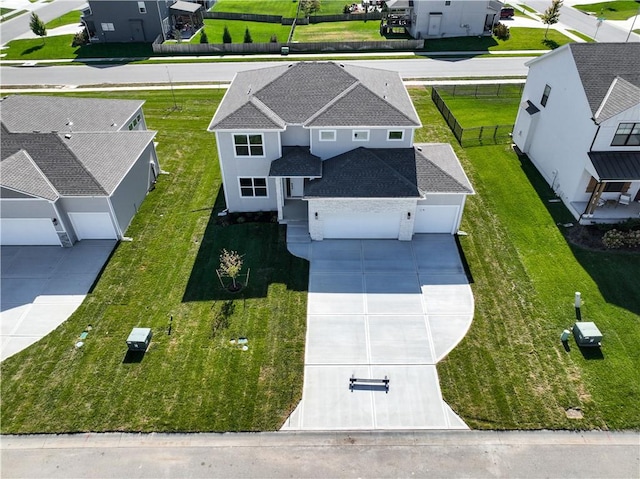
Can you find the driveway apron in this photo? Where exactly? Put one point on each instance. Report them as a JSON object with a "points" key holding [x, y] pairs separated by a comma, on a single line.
{"points": [[381, 308]]}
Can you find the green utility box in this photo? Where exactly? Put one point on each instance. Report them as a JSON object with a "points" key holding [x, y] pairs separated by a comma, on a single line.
{"points": [[587, 334], [139, 339]]}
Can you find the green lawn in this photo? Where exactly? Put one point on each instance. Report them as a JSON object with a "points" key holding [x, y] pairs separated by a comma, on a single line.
{"points": [[338, 31], [13, 15], [4, 11], [194, 379], [484, 110], [68, 18], [511, 371], [260, 32], [285, 8], [586, 38], [60, 47], [521, 39], [613, 10]]}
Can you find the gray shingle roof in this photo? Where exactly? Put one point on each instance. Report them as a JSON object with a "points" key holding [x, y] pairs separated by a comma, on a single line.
{"points": [[296, 161], [391, 173], [616, 165], [315, 93], [108, 157], [20, 173], [249, 116], [181, 6], [26, 114], [599, 63], [621, 96]]}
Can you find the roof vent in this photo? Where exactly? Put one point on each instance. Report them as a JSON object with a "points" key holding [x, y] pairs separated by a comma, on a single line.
{"points": [[113, 123], [341, 64], [249, 90], [67, 136]]}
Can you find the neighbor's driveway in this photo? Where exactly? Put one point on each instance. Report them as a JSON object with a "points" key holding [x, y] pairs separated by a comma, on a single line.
{"points": [[381, 308], [41, 286]]}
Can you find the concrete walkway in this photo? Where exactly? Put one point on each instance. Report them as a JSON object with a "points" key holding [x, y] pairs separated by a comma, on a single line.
{"points": [[42, 286], [381, 308]]}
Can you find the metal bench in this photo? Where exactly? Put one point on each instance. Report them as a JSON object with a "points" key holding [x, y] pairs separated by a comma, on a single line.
{"points": [[382, 383]]}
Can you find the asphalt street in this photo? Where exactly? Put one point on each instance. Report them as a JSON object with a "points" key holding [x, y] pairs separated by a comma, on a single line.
{"points": [[223, 72], [440, 454]]}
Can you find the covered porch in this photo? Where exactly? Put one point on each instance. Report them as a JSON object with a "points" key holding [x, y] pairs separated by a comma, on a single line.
{"points": [[291, 171], [187, 18]]}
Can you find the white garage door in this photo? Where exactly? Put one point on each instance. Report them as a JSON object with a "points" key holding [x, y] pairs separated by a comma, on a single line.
{"points": [[27, 231], [93, 226], [362, 225], [436, 219]]}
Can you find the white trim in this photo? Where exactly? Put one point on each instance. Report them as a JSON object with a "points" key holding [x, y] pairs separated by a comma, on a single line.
{"points": [[395, 131], [220, 162], [354, 134], [235, 153], [333, 133], [253, 187]]}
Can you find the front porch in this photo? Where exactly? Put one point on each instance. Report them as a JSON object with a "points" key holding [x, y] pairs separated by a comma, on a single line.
{"points": [[610, 212]]}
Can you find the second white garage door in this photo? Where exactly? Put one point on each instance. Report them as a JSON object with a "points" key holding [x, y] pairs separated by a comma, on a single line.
{"points": [[362, 225], [436, 219], [93, 226], [28, 231]]}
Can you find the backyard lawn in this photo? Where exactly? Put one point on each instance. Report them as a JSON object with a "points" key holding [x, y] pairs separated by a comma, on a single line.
{"points": [[193, 379], [484, 110], [260, 32], [285, 8], [510, 371], [60, 47], [339, 31], [521, 39]]}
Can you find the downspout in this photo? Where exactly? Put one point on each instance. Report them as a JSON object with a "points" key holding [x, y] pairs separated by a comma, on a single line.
{"points": [[164, 38]]}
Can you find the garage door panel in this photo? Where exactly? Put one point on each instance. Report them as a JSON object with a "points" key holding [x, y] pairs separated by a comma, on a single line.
{"points": [[93, 225], [28, 231], [362, 225], [436, 219]]}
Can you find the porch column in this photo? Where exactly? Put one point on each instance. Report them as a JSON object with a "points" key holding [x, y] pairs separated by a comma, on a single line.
{"points": [[279, 197], [595, 197]]}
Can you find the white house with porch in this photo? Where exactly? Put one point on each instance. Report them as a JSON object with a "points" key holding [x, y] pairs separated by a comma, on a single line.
{"points": [[579, 123], [331, 146]]}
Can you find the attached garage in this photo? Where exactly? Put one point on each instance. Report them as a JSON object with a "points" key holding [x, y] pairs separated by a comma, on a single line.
{"points": [[28, 231], [93, 226], [362, 225], [436, 219]]}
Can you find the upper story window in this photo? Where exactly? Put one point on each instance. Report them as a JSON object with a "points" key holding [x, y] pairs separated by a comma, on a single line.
{"points": [[248, 145], [545, 95], [395, 135], [627, 134], [327, 135], [141, 7], [447, 3], [107, 27], [360, 135]]}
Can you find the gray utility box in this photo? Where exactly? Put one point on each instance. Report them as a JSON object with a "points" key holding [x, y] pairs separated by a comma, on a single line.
{"points": [[587, 334], [139, 339]]}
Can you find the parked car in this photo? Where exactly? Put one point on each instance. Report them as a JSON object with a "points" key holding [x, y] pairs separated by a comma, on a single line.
{"points": [[507, 12]]}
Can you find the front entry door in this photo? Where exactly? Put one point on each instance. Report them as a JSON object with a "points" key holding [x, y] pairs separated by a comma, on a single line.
{"points": [[295, 187]]}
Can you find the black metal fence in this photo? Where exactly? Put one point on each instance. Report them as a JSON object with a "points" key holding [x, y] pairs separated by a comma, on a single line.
{"points": [[481, 135]]}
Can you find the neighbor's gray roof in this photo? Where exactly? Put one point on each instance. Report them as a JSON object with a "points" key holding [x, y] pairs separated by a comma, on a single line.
{"points": [[26, 114], [20, 173], [296, 161], [621, 96], [598, 64], [314, 94], [391, 173], [181, 6], [107, 156], [616, 165]]}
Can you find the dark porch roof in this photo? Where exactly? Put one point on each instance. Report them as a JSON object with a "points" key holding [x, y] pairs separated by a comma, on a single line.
{"points": [[296, 161], [616, 165], [189, 7]]}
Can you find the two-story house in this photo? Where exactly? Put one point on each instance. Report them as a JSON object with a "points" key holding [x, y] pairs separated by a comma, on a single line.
{"points": [[72, 168], [444, 18], [579, 123], [333, 144]]}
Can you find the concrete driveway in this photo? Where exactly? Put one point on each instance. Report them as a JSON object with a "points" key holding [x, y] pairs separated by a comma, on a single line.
{"points": [[381, 308], [42, 286]]}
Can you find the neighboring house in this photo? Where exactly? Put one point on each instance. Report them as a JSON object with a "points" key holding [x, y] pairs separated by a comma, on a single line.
{"points": [[72, 168], [333, 144], [118, 21], [579, 123], [442, 19]]}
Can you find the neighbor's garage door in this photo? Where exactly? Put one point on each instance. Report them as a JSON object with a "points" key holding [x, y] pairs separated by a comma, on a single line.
{"points": [[436, 219], [28, 231], [93, 226], [362, 225]]}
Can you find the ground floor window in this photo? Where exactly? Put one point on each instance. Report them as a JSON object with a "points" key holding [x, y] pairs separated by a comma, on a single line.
{"points": [[253, 187]]}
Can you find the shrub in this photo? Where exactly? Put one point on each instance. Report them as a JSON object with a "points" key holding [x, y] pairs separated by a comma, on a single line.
{"points": [[80, 38], [274, 38], [615, 239], [346, 10], [501, 31], [247, 36], [226, 36], [203, 37]]}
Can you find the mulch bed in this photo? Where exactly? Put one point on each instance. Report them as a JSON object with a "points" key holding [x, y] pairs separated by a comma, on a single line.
{"points": [[590, 237]]}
